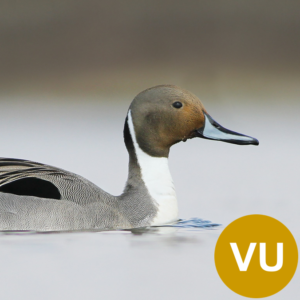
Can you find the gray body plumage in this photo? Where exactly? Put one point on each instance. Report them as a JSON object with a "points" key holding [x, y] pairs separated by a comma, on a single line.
{"points": [[83, 205]]}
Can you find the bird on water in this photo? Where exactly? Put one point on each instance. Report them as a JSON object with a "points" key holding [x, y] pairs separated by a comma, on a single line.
{"points": [[35, 196]]}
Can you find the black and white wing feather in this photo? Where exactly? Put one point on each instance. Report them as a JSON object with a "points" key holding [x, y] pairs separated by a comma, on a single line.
{"points": [[27, 178]]}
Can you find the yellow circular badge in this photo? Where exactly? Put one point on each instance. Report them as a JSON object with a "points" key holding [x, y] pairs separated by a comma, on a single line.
{"points": [[256, 256]]}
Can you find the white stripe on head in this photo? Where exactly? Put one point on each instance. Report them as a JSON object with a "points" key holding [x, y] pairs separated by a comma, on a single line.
{"points": [[158, 181]]}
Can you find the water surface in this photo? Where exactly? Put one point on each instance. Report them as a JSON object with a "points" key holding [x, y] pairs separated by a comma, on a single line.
{"points": [[214, 181]]}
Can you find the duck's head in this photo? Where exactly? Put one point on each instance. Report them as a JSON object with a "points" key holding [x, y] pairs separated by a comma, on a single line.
{"points": [[165, 115]]}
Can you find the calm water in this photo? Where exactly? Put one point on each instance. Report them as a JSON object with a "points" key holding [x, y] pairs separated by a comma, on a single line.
{"points": [[214, 181]]}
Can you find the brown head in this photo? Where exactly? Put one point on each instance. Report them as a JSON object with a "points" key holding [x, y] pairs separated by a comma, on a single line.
{"points": [[165, 115]]}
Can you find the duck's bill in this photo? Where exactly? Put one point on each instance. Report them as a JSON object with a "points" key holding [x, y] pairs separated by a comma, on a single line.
{"points": [[214, 131]]}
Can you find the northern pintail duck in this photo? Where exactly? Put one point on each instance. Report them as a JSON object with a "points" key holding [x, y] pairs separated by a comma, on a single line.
{"points": [[34, 196]]}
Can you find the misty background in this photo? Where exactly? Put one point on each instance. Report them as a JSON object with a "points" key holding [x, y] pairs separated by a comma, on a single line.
{"points": [[68, 72], [117, 47]]}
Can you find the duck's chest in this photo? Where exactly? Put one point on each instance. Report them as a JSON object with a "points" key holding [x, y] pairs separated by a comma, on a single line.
{"points": [[158, 181]]}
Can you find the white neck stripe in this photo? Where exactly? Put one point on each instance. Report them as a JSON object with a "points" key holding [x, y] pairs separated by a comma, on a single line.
{"points": [[158, 181]]}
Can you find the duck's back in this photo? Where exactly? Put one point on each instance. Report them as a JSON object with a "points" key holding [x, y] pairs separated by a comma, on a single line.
{"points": [[41, 197]]}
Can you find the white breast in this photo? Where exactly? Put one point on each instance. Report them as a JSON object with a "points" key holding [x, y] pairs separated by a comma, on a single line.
{"points": [[157, 178]]}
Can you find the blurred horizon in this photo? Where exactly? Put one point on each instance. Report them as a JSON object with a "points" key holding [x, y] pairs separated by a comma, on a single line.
{"points": [[115, 47], [68, 72]]}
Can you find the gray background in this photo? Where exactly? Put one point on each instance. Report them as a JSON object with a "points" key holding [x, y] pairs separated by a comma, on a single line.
{"points": [[68, 71]]}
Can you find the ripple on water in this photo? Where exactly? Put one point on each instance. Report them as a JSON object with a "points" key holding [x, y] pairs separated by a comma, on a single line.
{"points": [[193, 223]]}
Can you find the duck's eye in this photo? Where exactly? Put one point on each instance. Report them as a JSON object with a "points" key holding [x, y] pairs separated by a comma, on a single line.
{"points": [[177, 104]]}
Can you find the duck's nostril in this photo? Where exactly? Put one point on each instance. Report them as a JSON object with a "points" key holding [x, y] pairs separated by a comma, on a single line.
{"points": [[216, 125]]}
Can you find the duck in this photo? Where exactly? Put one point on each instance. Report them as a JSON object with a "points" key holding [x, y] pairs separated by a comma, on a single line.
{"points": [[39, 197]]}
